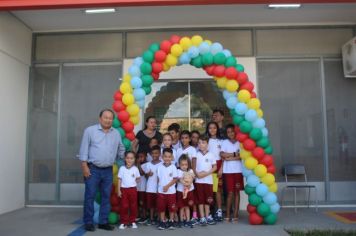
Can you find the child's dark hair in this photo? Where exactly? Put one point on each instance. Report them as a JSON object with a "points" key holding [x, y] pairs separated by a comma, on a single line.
{"points": [[217, 110], [154, 138], [217, 129], [174, 126], [204, 137], [128, 152], [167, 150], [195, 132], [184, 157], [230, 126], [167, 134], [185, 132], [138, 159], [155, 147]]}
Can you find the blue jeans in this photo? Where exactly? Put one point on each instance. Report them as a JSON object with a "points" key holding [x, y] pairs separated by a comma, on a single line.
{"points": [[102, 178]]}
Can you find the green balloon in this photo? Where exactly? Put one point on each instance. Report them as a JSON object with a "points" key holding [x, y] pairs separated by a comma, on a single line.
{"points": [[127, 144], [148, 56], [197, 62], [263, 142], [147, 89], [147, 80], [116, 123], [245, 127], [146, 68], [269, 150], [240, 68], [263, 209], [255, 134], [207, 59], [230, 61], [270, 219], [113, 218], [219, 58], [154, 47], [121, 131], [237, 119], [249, 190], [254, 199], [232, 112], [98, 197]]}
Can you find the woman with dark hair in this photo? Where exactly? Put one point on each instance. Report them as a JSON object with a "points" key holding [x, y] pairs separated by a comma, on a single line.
{"points": [[143, 137]]}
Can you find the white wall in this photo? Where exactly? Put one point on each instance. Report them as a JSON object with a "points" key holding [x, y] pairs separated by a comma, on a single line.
{"points": [[15, 60]]}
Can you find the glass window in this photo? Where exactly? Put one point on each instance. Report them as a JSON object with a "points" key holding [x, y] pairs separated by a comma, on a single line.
{"points": [[291, 99]]}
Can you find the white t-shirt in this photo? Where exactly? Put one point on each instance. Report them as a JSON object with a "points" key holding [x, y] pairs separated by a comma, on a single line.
{"points": [[174, 155], [176, 146], [234, 166], [149, 157], [128, 176], [180, 186], [205, 163], [215, 147], [190, 151], [165, 175], [141, 185], [151, 185]]}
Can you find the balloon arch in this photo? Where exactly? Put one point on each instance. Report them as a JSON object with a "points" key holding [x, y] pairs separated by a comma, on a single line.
{"points": [[256, 150]]}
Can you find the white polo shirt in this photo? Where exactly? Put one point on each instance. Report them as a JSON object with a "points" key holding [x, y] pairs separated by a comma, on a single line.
{"points": [[180, 186], [175, 158], [176, 146], [151, 184], [141, 185], [128, 176], [205, 163], [234, 166], [165, 175], [215, 147], [190, 151]]}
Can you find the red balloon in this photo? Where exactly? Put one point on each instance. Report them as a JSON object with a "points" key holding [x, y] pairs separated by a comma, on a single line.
{"points": [[130, 136], [128, 126], [236, 129], [114, 200], [251, 209], [231, 73], [123, 116], [166, 46], [258, 152], [209, 69], [155, 76], [249, 144], [248, 86], [241, 137], [271, 169], [242, 77], [253, 95], [267, 160], [255, 219], [117, 96], [219, 71], [175, 39], [118, 106], [157, 67], [115, 209], [160, 56]]}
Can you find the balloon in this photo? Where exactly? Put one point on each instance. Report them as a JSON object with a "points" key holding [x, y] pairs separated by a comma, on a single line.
{"points": [[197, 40], [209, 70], [115, 169], [245, 154], [264, 132], [251, 209], [231, 102], [271, 169], [193, 52], [273, 188], [116, 123], [147, 89], [248, 86], [219, 71], [269, 149], [254, 199], [174, 39], [113, 218], [261, 190], [117, 96], [260, 170], [253, 94], [226, 52], [251, 115], [166, 46], [275, 208], [241, 136], [246, 172], [171, 60], [148, 56], [259, 123], [263, 209], [270, 219], [154, 47], [254, 103], [253, 180], [123, 116], [197, 62], [121, 131], [160, 56], [270, 198], [258, 153], [155, 76], [240, 68], [125, 88], [249, 190], [184, 58], [146, 68], [240, 108], [244, 96], [130, 136], [268, 179], [157, 67], [249, 144], [221, 82], [147, 80], [138, 61], [133, 109], [255, 134], [259, 113], [176, 50], [139, 94], [118, 106], [227, 94], [250, 163], [231, 73], [136, 82], [127, 77], [215, 48], [204, 47], [185, 43], [128, 126], [255, 219], [134, 70], [245, 127], [237, 119], [242, 78], [128, 99], [135, 119], [267, 160], [114, 200], [141, 104], [230, 61], [127, 144], [207, 59], [219, 58]]}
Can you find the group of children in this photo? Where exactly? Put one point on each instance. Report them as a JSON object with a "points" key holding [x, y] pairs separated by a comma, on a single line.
{"points": [[174, 184]]}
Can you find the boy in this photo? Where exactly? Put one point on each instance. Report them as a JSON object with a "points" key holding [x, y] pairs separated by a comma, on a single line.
{"points": [[205, 165], [173, 130], [141, 187], [152, 143], [166, 197]]}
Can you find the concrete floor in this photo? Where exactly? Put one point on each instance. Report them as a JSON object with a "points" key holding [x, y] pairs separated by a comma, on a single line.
{"points": [[65, 221]]}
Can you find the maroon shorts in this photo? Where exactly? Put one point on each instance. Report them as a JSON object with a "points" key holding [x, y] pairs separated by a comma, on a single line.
{"points": [[204, 193], [188, 202], [142, 202], [218, 165], [166, 201], [233, 182], [151, 200]]}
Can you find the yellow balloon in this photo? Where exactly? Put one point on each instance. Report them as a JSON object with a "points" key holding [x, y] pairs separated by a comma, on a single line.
{"points": [[208, 41], [185, 43], [166, 67], [232, 85], [244, 96], [245, 154], [128, 99], [254, 103], [197, 40], [125, 87], [273, 188], [135, 119], [260, 170], [216, 78], [259, 113], [268, 179], [127, 78], [115, 169], [176, 50], [251, 163], [171, 60], [221, 82], [133, 109], [115, 180]]}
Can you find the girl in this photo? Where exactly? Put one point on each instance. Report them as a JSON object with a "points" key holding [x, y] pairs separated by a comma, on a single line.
{"points": [[153, 142], [212, 130], [167, 143], [129, 176], [141, 187], [195, 139], [185, 190]]}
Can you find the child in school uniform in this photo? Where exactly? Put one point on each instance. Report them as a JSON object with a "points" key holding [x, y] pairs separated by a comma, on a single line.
{"points": [[150, 169], [232, 172], [141, 187], [194, 139], [152, 143], [166, 197], [128, 177], [167, 142], [205, 165], [174, 131]]}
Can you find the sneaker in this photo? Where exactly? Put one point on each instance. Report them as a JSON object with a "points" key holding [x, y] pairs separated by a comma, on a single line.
{"points": [[218, 215], [134, 225], [161, 225], [148, 221], [154, 222], [142, 221], [171, 225], [194, 221], [89, 227], [106, 227], [203, 221], [190, 224], [210, 221], [180, 224], [122, 226]]}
